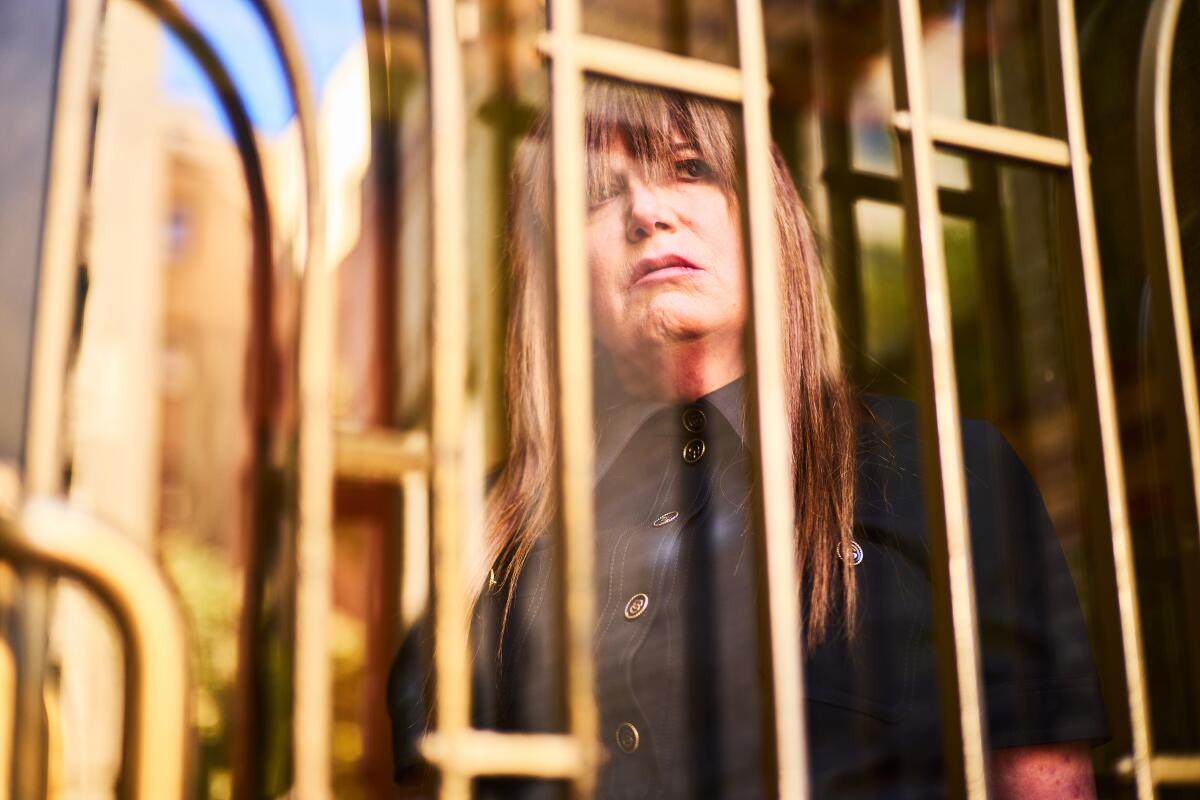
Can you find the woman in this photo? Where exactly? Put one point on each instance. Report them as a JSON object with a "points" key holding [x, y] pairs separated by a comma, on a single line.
{"points": [[677, 653]]}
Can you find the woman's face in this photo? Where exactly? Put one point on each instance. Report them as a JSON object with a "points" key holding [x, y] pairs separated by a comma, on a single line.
{"points": [[666, 259]]}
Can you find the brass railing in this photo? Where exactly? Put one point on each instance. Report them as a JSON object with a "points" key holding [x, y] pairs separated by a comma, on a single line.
{"points": [[920, 132], [462, 753], [1164, 266], [50, 538], [69, 542], [55, 539]]}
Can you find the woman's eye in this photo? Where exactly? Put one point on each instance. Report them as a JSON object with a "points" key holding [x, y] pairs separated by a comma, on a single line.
{"points": [[693, 169], [603, 192]]}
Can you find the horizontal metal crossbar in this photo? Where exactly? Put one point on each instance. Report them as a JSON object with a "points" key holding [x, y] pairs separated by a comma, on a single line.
{"points": [[533, 755], [380, 455], [631, 62], [884, 189], [994, 140], [1169, 769]]}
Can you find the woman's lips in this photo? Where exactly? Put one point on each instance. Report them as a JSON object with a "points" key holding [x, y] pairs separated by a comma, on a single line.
{"points": [[662, 268]]}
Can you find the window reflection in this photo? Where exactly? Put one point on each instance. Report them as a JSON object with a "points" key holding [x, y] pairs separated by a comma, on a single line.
{"points": [[183, 405]]}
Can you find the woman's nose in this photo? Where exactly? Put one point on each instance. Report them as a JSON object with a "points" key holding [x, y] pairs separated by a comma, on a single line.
{"points": [[648, 213]]}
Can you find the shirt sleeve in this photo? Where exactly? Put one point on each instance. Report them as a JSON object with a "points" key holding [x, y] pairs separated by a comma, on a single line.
{"points": [[409, 690], [1040, 679]]}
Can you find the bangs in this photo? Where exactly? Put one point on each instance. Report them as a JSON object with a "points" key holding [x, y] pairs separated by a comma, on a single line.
{"points": [[650, 123]]}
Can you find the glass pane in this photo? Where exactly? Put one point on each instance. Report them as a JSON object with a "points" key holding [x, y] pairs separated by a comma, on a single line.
{"points": [[698, 28], [183, 398], [1162, 508], [853, 69]]}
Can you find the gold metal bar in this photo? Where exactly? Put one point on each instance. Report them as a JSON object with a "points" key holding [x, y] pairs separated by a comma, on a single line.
{"points": [[70, 149], [414, 582], [60, 245], [10, 490], [993, 140], [33, 622], [380, 455], [1160, 213], [247, 723], [573, 335], [776, 496], [61, 538], [1175, 768], [1105, 409], [963, 713], [855, 186], [313, 703], [8, 686], [450, 351], [55, 773], [476, 752], [631, 62]]}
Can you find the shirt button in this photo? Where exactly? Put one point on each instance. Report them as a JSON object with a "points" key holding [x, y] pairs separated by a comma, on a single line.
{"points": [[628, 737], [693, 420], [666, 519], [637, 605], [693, 451]]}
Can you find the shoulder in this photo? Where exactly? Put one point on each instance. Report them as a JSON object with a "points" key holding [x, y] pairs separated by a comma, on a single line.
{"points": [[889, 434], [890, 465]]}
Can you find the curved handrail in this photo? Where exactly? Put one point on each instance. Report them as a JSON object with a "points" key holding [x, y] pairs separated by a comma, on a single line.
{"points": [[260, 370], [55, 314], [58, 313], [65, 540], [313, 702], [1160, 214]]}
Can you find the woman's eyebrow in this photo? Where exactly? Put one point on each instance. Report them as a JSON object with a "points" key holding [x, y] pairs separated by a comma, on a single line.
{"points": [[680, 147]]}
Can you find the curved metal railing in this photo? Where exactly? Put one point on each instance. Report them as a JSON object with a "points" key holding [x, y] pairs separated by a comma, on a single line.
{"points": [[49, 535], [1164, 265], [52, 536], [67, 541]]}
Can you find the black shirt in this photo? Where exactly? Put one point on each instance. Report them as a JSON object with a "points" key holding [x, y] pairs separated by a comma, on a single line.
{"points": [[678, 672]]}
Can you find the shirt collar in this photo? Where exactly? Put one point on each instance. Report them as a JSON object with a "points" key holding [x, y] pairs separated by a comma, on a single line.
{"points": [[619, 416]]}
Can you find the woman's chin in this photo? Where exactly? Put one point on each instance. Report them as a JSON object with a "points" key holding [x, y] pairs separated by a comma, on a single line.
{"points": [[676, 316]]}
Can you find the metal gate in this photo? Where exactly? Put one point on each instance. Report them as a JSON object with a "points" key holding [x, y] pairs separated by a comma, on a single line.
{"points": [[46, 536]]}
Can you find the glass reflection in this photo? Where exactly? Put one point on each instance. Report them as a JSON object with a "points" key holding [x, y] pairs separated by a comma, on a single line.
{"points": [[679, 667], [180, 425]]}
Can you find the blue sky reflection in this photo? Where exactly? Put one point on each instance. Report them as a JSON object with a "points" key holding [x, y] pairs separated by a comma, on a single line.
{"points": [[327, 28]]}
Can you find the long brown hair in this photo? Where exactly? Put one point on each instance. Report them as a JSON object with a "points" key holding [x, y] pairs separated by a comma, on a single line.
{"points": [[521, 505]]}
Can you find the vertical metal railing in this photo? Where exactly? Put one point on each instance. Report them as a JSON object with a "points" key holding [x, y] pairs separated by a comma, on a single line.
{"points": [[49, 538], [52, 331], [313, 690], [64, 540], [55, 538], [1164, 266], [458, 751], [450, 359], [775, 494], [573, 335], [920, 132], [962, 700]]}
